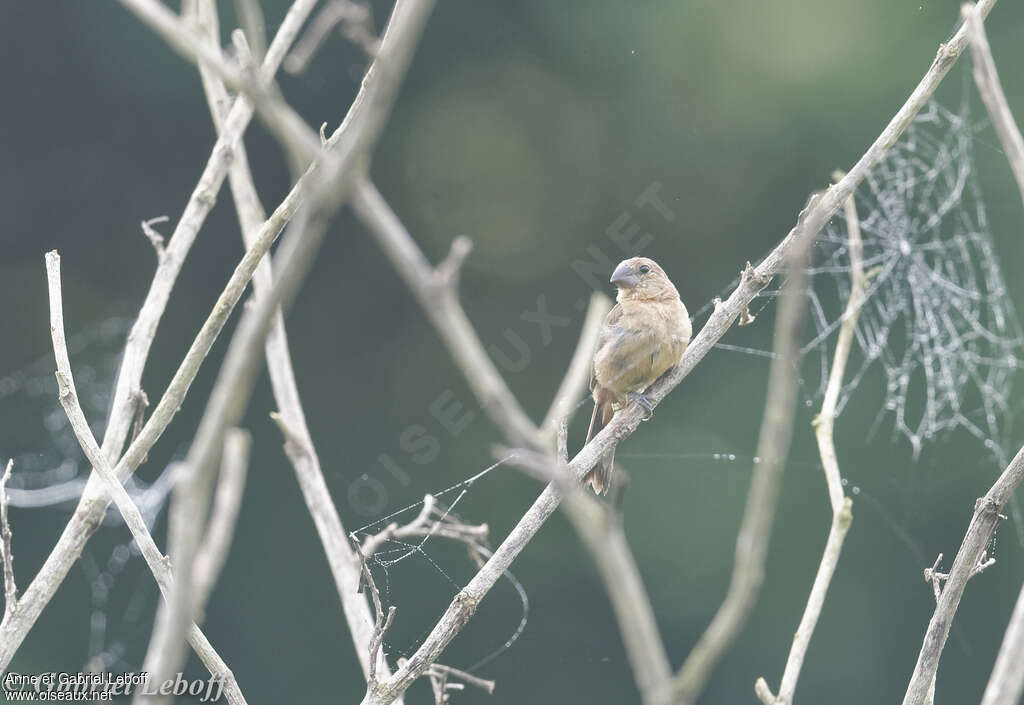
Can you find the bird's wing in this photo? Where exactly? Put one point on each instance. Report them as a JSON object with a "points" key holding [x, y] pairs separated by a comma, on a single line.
{"points": [[606, 333]]}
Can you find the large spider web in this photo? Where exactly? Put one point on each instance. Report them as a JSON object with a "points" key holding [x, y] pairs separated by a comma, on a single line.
{"points": [[937, 320]]}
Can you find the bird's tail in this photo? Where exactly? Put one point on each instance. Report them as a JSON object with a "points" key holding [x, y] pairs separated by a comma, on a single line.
{"points": [[600, 476]]}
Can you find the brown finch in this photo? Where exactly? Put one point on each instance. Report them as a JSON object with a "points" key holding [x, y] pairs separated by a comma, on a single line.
{"points": [[643, 336]]}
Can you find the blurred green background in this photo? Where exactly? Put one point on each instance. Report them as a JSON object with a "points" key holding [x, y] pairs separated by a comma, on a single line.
{"points": [[532, 127]]}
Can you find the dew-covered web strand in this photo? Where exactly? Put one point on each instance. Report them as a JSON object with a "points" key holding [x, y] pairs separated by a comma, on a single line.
{"points": [[937, 323], [937, 320]]}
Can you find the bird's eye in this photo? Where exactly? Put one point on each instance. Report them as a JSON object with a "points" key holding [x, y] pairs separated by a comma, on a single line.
{"points": [[644, 269]]}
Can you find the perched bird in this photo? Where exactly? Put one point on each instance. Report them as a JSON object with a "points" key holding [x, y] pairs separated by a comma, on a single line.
{"points": [[643, 336]]}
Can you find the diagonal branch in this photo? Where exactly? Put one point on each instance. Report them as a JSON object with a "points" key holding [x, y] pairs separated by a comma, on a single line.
{"points": [[987, 512], [1007, 681], [987, 79], [132, 516], [842, 507], [578, 375], [92, 506], [10, 587], [232, 391], [291, 417], [408, 260], [772, 449]]}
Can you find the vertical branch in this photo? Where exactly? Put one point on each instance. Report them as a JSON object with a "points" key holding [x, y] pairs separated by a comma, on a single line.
{"points": [[575, 379], [842, 514], [291, 417], [233, 389], [969, 558], [133, 518], [1007, 681], [772, 449], [92, 506], [987, 79], [10, 587]]}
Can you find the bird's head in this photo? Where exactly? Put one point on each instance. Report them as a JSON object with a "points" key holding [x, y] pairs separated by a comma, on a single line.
{"points": [[640, 278]]}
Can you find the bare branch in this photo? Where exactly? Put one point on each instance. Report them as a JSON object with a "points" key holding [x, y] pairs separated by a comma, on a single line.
{"points": [[772, 449], [10, 587], [250, 18], [842, 507], [576, 377], [92, 506], [298, 140], [1007, 680], [987, 79], [439, 300], [132, 516], [968, 562], [602, 534], [226, 501], [410, 264], [233, 389], [381, 623], [291, 418], [824, 423], [154, 237], [356, 22]]}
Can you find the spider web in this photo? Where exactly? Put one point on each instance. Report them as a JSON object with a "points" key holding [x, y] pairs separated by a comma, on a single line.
{"points": [[393, 551], [937, 320], [50, 473]]}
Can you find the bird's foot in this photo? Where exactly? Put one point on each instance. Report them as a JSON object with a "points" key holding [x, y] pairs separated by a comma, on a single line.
{"points": [[644, 401]]}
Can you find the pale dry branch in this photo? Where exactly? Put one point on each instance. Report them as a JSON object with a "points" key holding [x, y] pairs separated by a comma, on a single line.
{"points": [[408, 260], [970, 556], [287, 126], [291, 418], [987, 79], [601, 532], [759, 514], [1006, 683], [355, 20], [233, 388], [381, 623], [133, 518], [226, 502], [93, 503], [436, 293], [10, 587], [432, 520], [842, 507], [250, 20], [578, 375]]}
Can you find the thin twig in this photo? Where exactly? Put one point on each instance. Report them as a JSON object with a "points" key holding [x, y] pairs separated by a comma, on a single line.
{"points": [[772, 449], [987, 79], [10, 587], [969, 559], [842, 507], [381, 623], [133, 518], [1006, 683], [602, 533], [93, 503], [576, 377], [436, 293], [291, 418], [234, 385], [226, 501], [294, 135], [408, 259]]}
